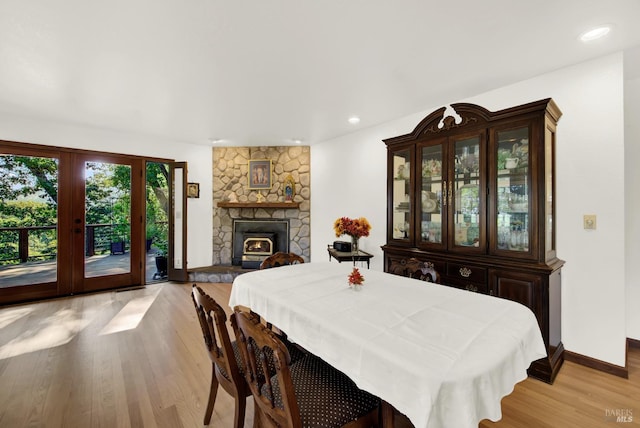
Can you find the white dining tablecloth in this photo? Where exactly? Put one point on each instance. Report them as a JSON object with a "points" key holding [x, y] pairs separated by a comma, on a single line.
{"points": [[444, 357]]}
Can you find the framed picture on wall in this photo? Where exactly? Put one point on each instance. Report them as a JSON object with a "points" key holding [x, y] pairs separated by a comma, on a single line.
{"points": [[193, 190], [259, 174]]}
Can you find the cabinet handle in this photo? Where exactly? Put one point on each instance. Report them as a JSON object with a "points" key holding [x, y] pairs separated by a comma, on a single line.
{"points": [[444, 193], [450, 191], [465, 272]]}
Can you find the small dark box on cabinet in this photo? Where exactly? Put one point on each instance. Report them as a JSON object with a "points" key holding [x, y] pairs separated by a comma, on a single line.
{"points": [[342, 246]]}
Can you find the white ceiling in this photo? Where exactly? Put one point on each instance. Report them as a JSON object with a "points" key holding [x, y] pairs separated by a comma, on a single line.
{"points": [[264, 72]]}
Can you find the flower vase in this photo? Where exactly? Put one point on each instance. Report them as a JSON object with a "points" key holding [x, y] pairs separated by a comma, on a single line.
{"points": [[356, 287], [354, 244]]}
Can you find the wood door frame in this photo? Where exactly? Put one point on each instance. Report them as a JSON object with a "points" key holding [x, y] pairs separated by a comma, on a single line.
{"points": [[177, 201], [63, 278], [80, 282], [66, 284]]}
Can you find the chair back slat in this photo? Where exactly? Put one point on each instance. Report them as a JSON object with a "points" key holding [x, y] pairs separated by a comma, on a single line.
{"points": [[266, 357], [213, 321], [281, 259]]}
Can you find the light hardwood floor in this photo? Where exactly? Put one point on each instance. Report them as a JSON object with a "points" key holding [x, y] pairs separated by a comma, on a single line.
{"points": [[63, 365]]}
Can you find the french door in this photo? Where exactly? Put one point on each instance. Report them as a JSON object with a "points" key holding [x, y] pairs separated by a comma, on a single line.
{"points": [[70, 221], [112, 185]]}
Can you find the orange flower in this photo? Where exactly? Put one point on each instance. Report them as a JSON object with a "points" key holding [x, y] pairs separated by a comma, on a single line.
{"points": [[356, 228], [355, 277]]}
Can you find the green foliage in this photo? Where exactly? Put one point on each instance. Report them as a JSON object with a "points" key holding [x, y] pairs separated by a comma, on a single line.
{"points": [[42, 243], [100, 194], [27, 213], [29, 194], [29, 176], [157, 206], [162, 246]]}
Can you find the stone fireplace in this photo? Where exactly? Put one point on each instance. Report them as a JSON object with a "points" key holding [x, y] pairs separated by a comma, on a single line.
{"points": [[230, 183]]}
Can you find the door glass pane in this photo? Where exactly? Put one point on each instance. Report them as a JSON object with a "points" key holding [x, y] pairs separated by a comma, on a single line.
{"points": [[178, 217], [28, 220], [466, 214], [513, 190], [107, 219], [157, 221], [431, 195], [401, 191]]}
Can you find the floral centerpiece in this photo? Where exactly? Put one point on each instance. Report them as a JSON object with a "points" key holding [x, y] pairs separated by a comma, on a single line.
{"points": [[355, 279], [356, 228]]}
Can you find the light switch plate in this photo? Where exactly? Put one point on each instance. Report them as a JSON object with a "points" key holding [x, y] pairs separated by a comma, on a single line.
{"points": [[590, 221]]}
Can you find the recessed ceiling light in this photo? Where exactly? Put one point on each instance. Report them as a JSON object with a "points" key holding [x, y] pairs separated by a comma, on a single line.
{"points": [[296, 141], [354, 120], [595, 33], [215, 140]]}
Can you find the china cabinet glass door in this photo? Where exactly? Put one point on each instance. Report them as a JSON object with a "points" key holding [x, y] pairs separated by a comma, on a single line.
{"points": [[513, 219], [432, 195], [401, 195], [466, 198]]}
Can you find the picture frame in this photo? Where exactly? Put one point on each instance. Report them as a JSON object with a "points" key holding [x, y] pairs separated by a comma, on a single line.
{"points": [[193, 190], [260, 174], [289, 188]]}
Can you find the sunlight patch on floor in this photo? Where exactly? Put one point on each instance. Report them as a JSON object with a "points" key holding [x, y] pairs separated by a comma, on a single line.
{"points": [[12, 315], [130, 316], [55, 330]]}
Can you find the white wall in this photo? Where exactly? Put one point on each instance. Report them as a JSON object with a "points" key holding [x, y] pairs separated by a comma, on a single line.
{"points": [[632, 193], [349, 178], [199, 251]]}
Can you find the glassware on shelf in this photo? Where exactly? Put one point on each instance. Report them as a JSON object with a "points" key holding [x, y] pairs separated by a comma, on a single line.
{"points": [[431, 231], [518, 203], [503, 237]]}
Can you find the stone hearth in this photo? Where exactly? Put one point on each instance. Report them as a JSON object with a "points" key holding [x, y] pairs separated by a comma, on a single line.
{"points": [[218, 273]]}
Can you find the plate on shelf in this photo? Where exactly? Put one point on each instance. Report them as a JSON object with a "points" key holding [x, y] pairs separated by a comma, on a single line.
{"points": [[429, 205], [429, 201]]}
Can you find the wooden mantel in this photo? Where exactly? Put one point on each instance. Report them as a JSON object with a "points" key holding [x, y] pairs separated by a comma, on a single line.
{"points": [[284, 205]]}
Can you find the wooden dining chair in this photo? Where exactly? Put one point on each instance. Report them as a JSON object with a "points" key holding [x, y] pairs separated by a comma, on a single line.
{"points": [[224, 354], [307, 393], [281, 259]]}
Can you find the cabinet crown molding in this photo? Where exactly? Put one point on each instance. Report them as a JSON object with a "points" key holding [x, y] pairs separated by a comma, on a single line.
{"points": [[471, 115]]}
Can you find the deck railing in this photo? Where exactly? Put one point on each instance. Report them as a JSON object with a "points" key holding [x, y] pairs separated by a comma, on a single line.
{"points": [[38, 243]]}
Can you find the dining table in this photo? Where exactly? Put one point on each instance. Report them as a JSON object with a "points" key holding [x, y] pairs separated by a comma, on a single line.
{"points": [[442, 356]]}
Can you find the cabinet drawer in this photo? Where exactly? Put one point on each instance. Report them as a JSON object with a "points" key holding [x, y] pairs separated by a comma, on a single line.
{"points": [[469, 273], [466, 285], [415, 268]]}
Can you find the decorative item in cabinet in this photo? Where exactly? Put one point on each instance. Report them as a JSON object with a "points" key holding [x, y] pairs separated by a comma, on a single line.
{"points": [[480, 193], [432, 191], [428, 271], [514, 189], [429, 202], [401, 198]]}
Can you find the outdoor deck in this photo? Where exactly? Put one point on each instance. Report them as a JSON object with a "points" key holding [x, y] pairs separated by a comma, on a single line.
{"points": [[41, 272]]}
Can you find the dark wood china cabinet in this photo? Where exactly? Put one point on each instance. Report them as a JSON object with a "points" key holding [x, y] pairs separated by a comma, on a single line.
{"points": [[471, 197]]}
